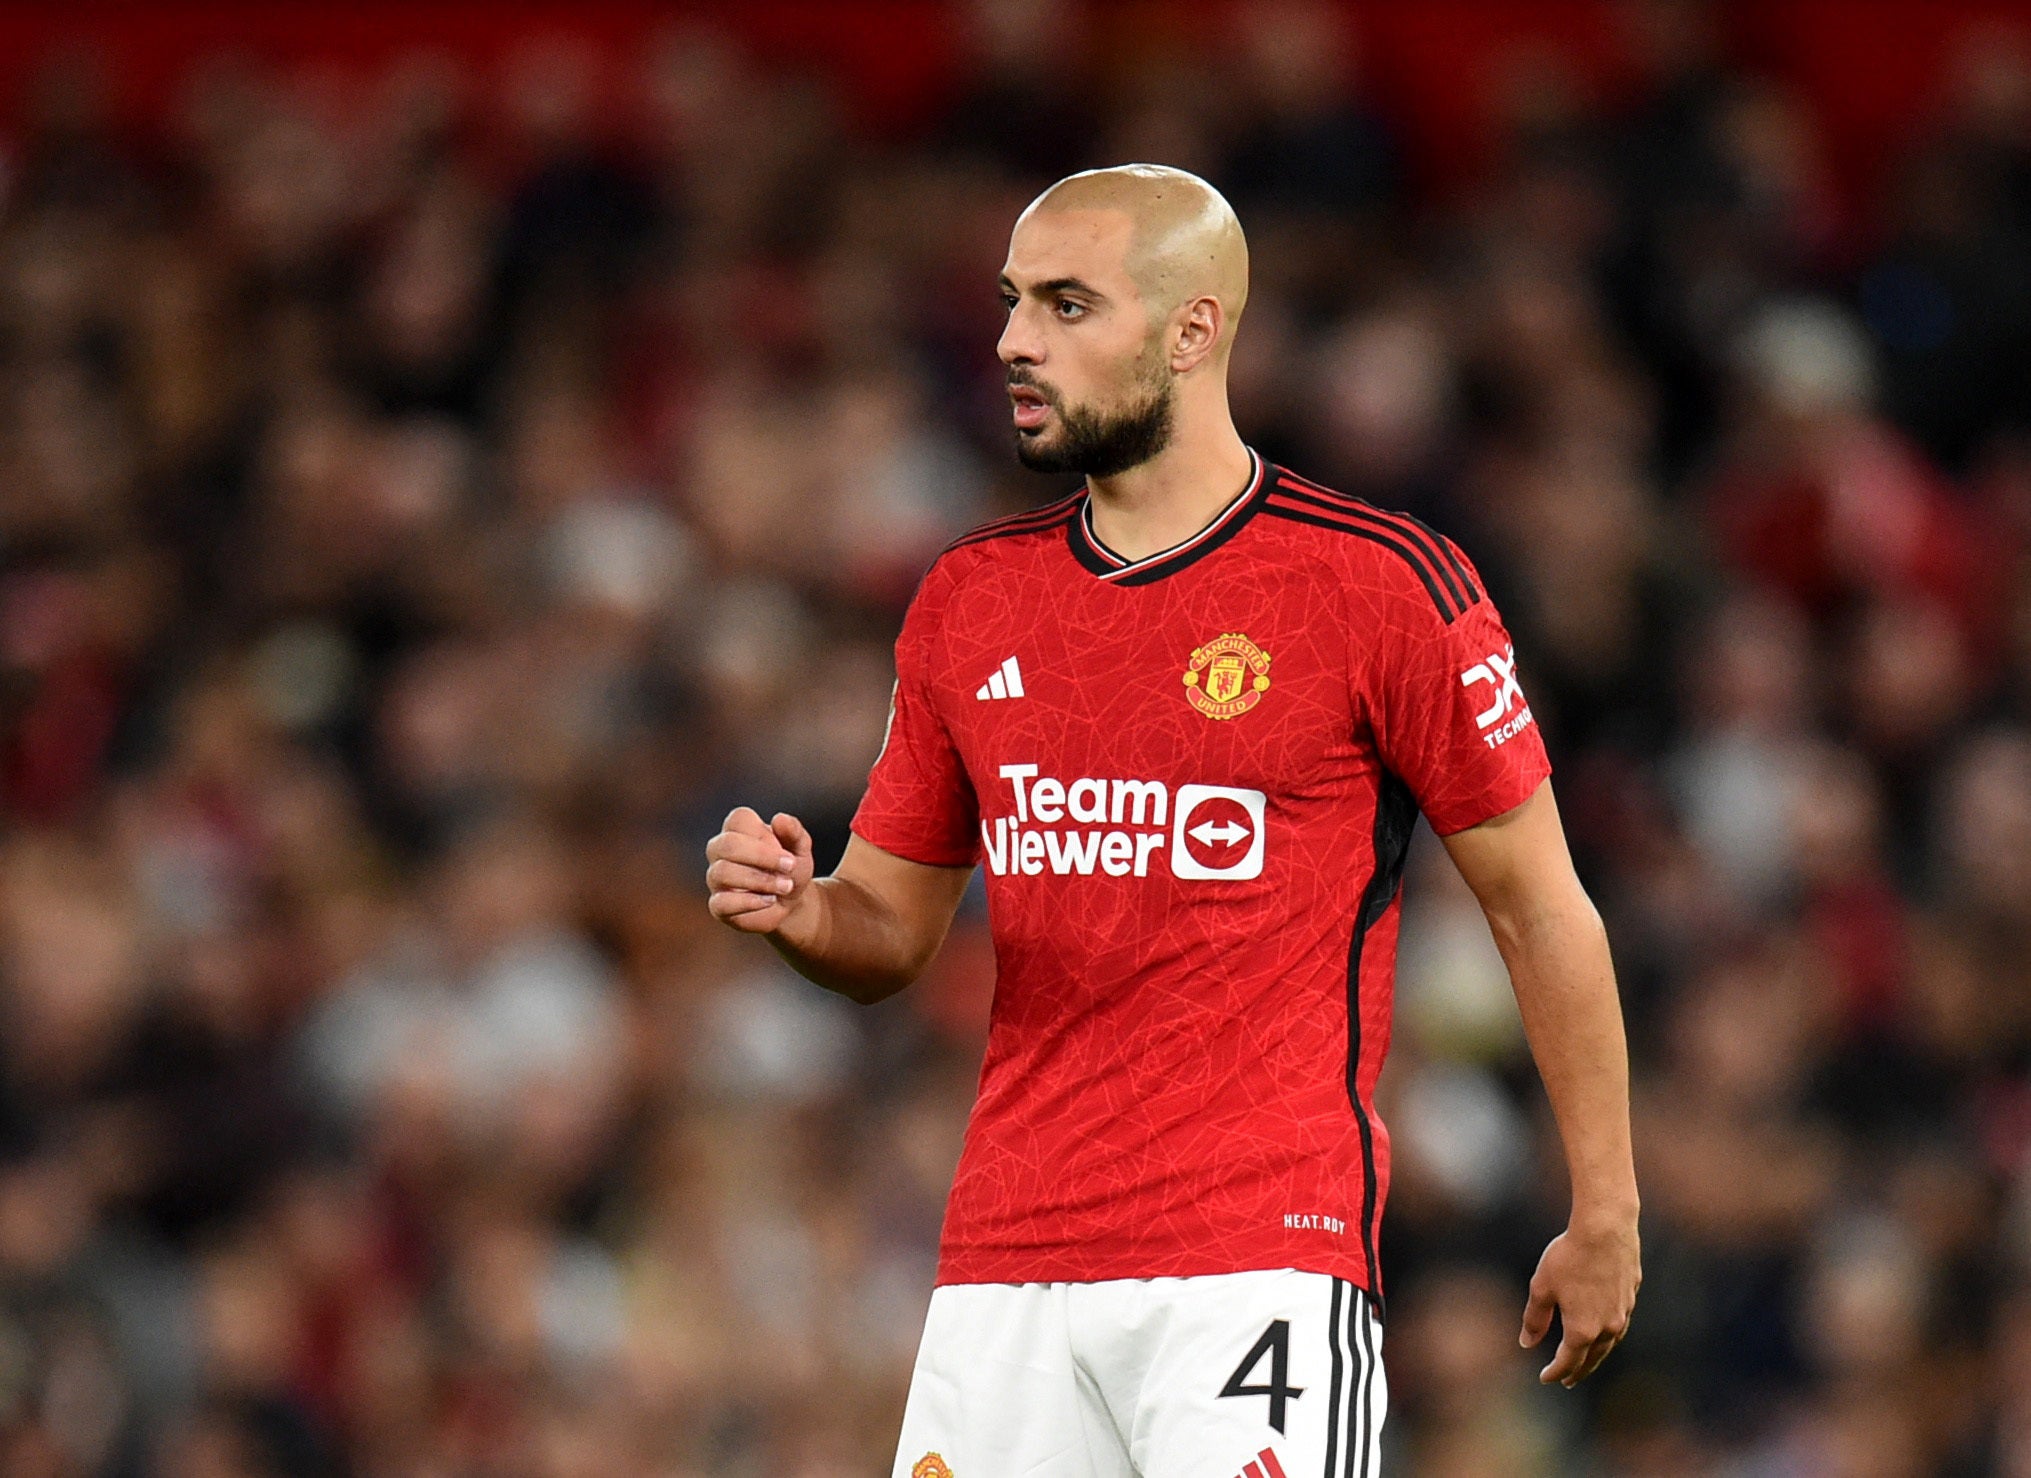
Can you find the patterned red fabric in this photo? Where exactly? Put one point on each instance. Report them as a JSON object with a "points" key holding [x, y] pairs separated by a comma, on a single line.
{"points": [[1183, 876]]}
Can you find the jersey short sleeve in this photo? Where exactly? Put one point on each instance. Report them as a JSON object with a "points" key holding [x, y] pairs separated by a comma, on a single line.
{"points": [[919, 803], [1449, 714]]}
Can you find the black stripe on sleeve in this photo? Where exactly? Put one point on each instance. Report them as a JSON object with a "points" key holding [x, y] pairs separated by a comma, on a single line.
{"points": [[1402, 526], [1435, 545], [1036, 521], [1374, 536], [1453, 557]]}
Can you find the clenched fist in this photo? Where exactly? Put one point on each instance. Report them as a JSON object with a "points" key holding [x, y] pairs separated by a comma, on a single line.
{"points": [[758, 873]]}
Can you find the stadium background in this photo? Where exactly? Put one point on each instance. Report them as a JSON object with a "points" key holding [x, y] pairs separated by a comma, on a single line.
{"points": [[451, 453]]}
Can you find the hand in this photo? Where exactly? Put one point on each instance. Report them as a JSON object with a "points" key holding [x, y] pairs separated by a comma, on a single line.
{"points": [[1590, 1276], [758, 874]]}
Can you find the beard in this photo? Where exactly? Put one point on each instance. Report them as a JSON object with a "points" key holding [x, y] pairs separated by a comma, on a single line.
{"points": [[1098, 443]]}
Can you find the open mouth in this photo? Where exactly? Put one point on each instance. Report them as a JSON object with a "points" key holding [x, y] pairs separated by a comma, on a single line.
{"points": [[1030, 407]]}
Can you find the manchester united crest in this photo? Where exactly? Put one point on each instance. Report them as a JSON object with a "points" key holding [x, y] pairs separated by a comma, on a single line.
{"points": [[1227, 676], [930, 1465]]}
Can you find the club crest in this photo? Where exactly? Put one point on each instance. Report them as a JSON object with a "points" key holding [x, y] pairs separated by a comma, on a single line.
{"points": [[1227, 676], [930, 1465]]}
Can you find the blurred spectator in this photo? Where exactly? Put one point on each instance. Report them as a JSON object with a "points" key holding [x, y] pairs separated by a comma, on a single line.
{"points": [[433, 498]]}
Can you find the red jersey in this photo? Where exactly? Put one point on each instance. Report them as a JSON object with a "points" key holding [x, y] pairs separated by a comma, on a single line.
{"points": [[1192, 779]]}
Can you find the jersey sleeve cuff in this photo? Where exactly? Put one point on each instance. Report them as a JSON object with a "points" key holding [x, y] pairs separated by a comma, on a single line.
{"points": [[1488, 804], [917, 849]]}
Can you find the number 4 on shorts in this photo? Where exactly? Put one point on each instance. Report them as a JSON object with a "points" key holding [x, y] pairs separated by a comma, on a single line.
{"points": [[1275, 1343]]}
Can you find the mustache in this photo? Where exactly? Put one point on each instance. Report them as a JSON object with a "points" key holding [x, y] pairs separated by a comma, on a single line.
{"points": [[1023, 378]]}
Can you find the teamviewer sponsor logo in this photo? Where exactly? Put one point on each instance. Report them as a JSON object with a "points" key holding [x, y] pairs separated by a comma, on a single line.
{"points": [[1219, 833], [1122, 828]]}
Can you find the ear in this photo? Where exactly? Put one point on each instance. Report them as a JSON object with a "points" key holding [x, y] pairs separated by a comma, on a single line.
{"points": [[1195, 332]]}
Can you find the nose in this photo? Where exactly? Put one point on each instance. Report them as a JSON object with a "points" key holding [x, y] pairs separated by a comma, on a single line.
{"points": [[1019, 343]]}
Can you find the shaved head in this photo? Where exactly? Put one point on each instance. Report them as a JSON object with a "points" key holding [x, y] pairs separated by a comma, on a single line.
{"points": [[1123, 288], [1184, 241]]}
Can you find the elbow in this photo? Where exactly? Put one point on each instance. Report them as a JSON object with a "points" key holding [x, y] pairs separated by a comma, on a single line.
{"points": [[872, 990], [872, 986], [1531, 915], [912, 953]]}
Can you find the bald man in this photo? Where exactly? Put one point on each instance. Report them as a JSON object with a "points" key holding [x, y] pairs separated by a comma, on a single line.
{"points": [[1187, 719]]}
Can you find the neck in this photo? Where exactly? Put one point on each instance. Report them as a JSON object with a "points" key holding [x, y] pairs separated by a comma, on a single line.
{"points": [[1168, 499]]}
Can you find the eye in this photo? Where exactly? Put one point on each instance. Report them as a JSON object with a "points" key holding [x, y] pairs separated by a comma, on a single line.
{"points": [[1069, 309], [1008, 301]]}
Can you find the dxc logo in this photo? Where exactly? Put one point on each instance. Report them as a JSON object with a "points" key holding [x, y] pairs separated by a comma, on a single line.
{"points": [[1499, 672]]}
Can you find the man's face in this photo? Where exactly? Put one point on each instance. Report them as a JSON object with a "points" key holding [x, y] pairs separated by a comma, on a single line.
{"points": [[1090, 389]]}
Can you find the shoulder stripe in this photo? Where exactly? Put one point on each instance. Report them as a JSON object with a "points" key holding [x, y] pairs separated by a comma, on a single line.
{"points": [[1453, 558], [1433, 545], [1035, 521], [1016, 523], [1042, 525], [1299, 513], [1432, 538], [1063, 505], [1402, 525]]}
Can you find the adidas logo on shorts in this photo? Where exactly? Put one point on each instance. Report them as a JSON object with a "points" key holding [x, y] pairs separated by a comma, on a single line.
{"points": [[1264, 1466]]}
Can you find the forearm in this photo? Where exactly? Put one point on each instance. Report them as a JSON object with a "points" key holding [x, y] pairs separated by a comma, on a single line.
{"points": [[848, 940], [1557, 953]]}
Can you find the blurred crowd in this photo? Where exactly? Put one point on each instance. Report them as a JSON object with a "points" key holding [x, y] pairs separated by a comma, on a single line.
{"points": [[425, 511]]}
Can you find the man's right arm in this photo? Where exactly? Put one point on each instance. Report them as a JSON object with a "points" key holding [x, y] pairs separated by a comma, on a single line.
{"points": [[866, 931]]}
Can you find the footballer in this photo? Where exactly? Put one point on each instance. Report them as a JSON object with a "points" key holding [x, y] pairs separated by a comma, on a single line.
{"points": [[1187, 719]]}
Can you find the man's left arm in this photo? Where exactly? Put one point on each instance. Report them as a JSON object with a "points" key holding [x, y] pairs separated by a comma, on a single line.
{"points": [[1551, 939]]}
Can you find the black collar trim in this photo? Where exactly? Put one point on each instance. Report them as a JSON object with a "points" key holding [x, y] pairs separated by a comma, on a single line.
{"points": [[1115, 570]]}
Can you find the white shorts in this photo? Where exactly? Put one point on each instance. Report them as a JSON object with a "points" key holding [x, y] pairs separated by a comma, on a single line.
{"points": [[1273, 1374]]}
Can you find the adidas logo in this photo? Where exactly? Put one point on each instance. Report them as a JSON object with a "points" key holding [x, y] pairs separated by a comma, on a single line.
{"points": [[1264, 1466], [1007, 682]]}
